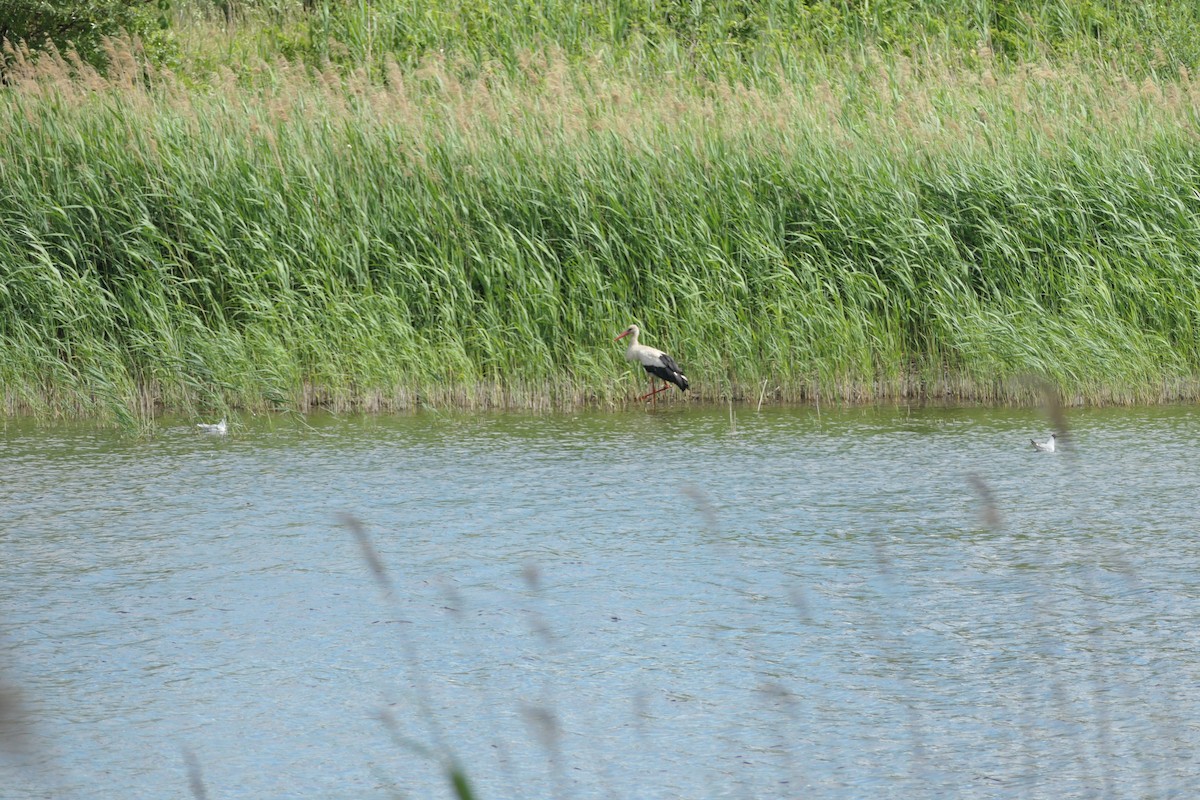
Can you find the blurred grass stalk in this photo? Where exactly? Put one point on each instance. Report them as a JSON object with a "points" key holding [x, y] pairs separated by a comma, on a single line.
{"points": [[870, 226]]}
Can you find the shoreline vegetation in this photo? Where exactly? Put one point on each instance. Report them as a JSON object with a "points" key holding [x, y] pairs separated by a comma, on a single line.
{"points": [[240, 225]]}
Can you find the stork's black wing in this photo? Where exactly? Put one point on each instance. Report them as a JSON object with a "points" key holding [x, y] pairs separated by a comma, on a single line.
{"points": [[669, 371]]}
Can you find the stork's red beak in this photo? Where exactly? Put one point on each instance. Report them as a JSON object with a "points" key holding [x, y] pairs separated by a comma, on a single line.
{"points": [[622, 336]]}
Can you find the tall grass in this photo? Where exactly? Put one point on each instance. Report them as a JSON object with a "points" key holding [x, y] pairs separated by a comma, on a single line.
{"points": [[884, 227], [717, 39]]}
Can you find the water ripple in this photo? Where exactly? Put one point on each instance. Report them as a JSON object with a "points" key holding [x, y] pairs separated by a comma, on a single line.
{"points": [[635, 605]]}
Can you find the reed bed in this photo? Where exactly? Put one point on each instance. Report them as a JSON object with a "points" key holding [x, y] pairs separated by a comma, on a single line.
{"points": [[871, 227]]}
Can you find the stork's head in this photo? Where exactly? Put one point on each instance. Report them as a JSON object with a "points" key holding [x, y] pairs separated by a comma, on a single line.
{"points": [[632, 329]]}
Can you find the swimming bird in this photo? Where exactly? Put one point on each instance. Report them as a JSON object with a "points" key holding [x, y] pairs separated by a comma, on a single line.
{"points": [[1044, 447], [217, 428], [657, 363]]}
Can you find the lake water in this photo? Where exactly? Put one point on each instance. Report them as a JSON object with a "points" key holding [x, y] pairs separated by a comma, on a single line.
{"points": [[646, 604]]}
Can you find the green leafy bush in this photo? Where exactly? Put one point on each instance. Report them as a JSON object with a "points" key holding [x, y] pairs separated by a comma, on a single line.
{"points": [[81, 26]]}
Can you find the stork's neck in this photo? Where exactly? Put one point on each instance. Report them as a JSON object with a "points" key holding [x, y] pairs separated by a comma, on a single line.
{"points": [[631, 351]]}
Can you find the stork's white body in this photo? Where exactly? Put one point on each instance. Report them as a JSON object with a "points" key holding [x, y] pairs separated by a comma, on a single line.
{"points": [[643, 354]]}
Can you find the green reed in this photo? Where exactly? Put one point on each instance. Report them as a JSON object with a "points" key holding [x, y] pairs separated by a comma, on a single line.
{"points": [[715, 39], [885, 227]]}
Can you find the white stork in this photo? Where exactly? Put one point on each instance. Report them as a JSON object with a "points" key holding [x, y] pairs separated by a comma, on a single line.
{"points": [[657, 363], [1043, 447]]}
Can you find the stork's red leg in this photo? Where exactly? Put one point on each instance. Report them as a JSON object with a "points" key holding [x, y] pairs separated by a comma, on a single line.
{"points": [[651, 394]]}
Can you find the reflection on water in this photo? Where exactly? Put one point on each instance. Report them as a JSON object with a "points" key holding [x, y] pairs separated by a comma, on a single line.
{"points": [[625, 605]]}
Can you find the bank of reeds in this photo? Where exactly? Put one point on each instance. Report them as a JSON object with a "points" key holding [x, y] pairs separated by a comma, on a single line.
{"points": [[882, 227]]}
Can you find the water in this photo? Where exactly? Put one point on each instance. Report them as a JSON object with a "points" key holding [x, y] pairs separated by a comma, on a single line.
{"points": [[633, 605]]}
